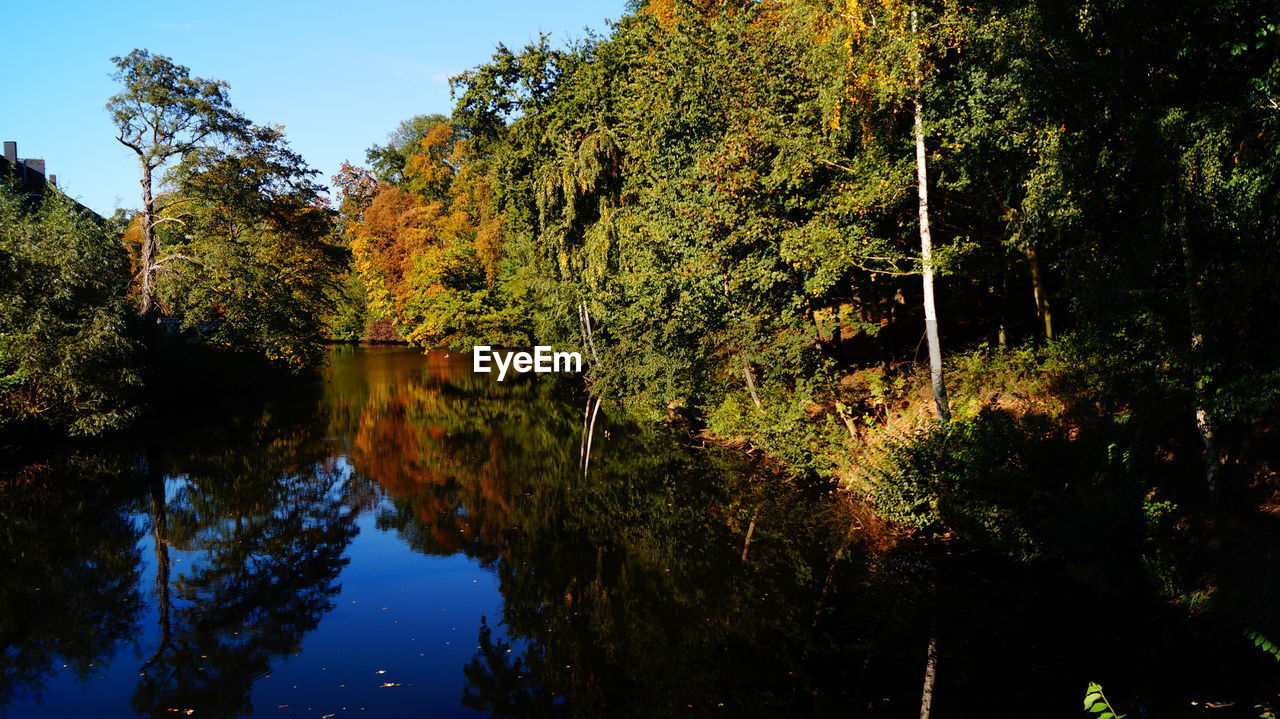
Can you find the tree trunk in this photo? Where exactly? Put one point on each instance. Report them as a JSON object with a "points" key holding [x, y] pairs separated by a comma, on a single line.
{"points": [[1204, 422], [751, 529], [931, 653], [930, 674], [582, 446], [882, 317], [926, 253], [1002, 333], [148, 308], [1038, 290], [751, 385], [160, 542], [591, 433]]}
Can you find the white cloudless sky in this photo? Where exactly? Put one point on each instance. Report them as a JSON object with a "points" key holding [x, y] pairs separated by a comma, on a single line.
{"points": [[338, 76]]}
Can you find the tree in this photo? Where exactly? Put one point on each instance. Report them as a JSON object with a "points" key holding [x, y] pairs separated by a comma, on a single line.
{"points": [[389, 161], [926, 260], [67, 358], [251, 252], [887, 58], [427, 248], [162, 114]]}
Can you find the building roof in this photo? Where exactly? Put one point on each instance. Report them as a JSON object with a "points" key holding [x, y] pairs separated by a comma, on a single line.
{"points": [[27, 175]]}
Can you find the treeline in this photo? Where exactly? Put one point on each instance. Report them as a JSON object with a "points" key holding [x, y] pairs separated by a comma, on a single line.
{"points": [[230, 268], [738, 202], [743, 214], [746, 215]]}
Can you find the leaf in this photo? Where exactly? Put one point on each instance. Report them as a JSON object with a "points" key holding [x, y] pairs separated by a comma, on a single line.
{"points": [[1095, 702], [1263, 643]]}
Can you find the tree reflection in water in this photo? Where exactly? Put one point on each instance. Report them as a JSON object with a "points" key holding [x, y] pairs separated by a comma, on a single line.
{"points": [[670, 580], [260, 511], [265, 521], [626, 591], [675, 580], [69, 596]]}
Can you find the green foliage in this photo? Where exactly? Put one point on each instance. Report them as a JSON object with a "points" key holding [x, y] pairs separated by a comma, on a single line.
{"points": [[390, 160], [349, 318], [1263, 643], [163, 112], [1097, 704], [457, 309], [249, 261], [728, 190], [67, 357], [1016, 485]]}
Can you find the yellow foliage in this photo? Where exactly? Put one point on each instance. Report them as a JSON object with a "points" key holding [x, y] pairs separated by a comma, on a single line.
{"points": [[401, 240]]}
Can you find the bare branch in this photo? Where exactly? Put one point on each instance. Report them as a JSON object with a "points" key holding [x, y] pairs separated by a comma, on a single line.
{"points": [[174, 203], [894, 273], [835, 165], [128, 144], [161, 265]]}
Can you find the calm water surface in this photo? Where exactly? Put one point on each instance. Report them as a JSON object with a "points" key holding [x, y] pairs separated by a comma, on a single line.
{"points": [[410, 539]]}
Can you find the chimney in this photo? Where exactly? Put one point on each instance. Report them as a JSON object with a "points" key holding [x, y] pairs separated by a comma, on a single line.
{"points": [[11, 151], [53, 180], [35, 164]]}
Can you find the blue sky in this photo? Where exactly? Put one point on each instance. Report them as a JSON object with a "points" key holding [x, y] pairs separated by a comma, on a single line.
{"points": [[338, 75]]}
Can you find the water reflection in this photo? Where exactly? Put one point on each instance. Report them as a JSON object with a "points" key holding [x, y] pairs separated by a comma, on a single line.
{"points": [[448, 447], [633, 590], [69, 592], [410, 538], [267, 549]]}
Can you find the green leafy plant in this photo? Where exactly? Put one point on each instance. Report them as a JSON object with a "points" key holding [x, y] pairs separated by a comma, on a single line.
{"points": [[1097, 704], [1263, 643]]}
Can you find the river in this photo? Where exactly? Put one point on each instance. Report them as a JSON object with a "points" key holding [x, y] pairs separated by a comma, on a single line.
{"points": [[410, 539]]}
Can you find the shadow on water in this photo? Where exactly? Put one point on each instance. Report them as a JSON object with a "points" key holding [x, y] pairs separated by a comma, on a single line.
{"points": [[667, 580]]}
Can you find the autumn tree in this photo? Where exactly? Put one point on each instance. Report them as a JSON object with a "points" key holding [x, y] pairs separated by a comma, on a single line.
{"points": [[427, 248], [389, 161], [163, 114]]}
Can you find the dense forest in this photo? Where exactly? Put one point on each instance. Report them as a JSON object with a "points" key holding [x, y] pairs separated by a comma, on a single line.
{"points": [[1005, 269]]}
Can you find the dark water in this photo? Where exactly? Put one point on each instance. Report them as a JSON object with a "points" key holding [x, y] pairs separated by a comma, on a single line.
{"points": [[413, 540]]}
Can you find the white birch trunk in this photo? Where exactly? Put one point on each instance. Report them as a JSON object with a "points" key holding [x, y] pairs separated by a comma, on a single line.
{"points": [[926, 253]]}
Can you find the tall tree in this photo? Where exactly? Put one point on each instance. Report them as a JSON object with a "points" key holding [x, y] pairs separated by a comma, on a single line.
{"points": [[884, 53], [926, 243], [162, 114]]}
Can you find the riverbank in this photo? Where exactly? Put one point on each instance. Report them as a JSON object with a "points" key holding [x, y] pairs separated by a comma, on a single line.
{"points": [[1056, 459]]}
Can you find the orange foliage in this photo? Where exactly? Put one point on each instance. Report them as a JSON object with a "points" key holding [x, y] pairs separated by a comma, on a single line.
{"points": [[397, 226], [357, 187], [132, 241], [670, 12], [400, 236], [430, 170]]}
